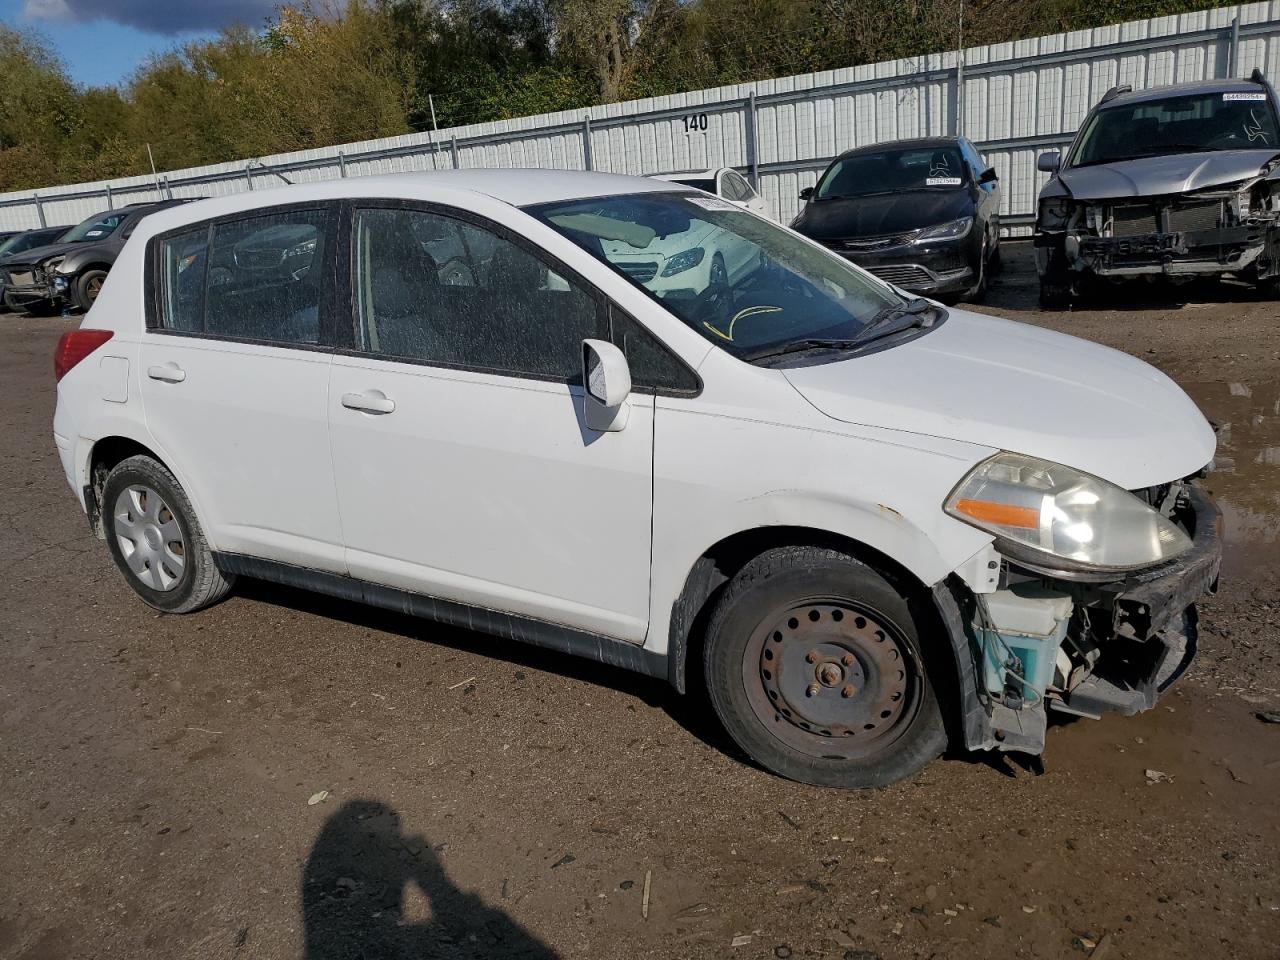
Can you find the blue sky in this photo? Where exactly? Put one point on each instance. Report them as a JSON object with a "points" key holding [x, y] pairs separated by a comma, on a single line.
{"points": [[103, 41]]}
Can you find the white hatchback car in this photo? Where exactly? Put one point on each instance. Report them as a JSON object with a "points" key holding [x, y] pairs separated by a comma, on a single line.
{"points": [[723, 182], [868, 524]]}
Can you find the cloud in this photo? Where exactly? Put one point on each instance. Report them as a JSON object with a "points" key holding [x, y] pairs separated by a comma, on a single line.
{"points": [[154, 16]]}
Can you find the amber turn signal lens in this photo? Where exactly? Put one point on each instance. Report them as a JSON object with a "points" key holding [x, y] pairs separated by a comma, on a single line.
{"points": [[1000, 514]]}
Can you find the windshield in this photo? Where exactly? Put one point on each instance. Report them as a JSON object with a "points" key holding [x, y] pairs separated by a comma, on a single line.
{"points": [[744, 283], [95, 228], [892, 171], [1235, 120]]}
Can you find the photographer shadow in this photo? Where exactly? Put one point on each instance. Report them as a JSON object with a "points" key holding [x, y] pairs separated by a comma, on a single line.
{"points": [[354, 891]]}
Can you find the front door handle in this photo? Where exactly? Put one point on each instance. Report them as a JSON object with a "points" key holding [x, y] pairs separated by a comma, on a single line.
{"points": [[168, 372], [375, 401]]}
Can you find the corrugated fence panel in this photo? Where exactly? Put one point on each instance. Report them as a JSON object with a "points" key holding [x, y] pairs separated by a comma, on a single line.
{"points": [[1014, 100]]}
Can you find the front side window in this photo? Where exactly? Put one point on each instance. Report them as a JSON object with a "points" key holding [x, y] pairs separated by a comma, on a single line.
{"points": [[259, 279], [893, 171], [437, 289], [743, 283], [1194, 123], [736, 188]]}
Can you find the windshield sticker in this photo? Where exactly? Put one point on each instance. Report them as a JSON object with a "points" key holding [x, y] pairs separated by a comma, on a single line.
{"points": [[711, 203], [1233, 97], [942, 181], [1253, 130], [741, 314], [95, 233]]}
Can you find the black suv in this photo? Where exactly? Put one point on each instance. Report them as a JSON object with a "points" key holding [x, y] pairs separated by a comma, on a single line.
{"points": [[71, 271]]}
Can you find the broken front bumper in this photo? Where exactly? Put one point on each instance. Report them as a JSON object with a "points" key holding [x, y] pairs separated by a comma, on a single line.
{"points": [[31, 294], [1212, 252], [1143, 629], [1153, 625]]}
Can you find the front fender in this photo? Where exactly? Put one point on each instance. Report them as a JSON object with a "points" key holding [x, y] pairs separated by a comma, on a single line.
{"points": [[94, 256]]}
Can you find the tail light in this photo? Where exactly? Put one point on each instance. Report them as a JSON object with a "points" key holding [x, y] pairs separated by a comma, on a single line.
{"points": [[74, 346]]}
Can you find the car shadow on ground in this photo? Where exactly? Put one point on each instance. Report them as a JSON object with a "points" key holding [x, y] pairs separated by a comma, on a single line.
{"points": [[693, 713], [358, 898]]}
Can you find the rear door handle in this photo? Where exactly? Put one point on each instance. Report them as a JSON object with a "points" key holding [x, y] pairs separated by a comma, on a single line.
{"points": [[374, 401], [168, 372]]}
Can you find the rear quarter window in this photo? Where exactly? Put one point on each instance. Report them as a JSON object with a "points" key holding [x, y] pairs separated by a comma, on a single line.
{"points": [[258, 278]]}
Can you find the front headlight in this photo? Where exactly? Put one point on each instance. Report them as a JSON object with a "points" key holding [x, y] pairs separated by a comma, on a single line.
{"points": [[52, 264], [946, 231], [1053, 516], [685, 260]]}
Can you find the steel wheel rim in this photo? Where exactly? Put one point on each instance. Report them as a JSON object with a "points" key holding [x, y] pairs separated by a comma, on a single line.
{"points": [[832, 679], [149, 537], [93, 288]]}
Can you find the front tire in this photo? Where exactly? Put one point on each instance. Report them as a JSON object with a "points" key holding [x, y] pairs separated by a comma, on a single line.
{"points": [[156, 540], [813, 665], [88, 286]]}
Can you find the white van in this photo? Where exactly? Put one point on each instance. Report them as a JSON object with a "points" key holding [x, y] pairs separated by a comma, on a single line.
{"points": [[866, 522]]}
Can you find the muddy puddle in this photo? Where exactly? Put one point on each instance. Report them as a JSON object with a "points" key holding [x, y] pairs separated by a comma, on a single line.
{"points": [[1246, 483]]}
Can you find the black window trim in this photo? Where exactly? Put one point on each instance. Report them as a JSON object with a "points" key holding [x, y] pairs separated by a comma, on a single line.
{"points": [[346, 341], [152, 293]]}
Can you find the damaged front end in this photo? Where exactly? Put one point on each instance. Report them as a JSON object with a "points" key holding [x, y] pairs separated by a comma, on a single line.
{"points": [[1047, 640], [1230, 230]]}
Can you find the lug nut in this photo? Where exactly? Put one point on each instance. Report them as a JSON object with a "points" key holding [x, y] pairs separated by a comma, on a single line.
{"points": [[847, 692], [812, 690], [811, 656], [847, 659]]}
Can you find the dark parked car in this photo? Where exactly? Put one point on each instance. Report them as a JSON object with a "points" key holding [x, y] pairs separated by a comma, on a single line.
{"points": [[1175, 182], [71, 270], [921, 214], [15, 243]]}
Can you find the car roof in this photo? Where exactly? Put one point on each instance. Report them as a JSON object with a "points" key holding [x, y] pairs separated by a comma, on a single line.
{"points": [[515, 187], [1182, 89], [918, 142], [709, 174]]}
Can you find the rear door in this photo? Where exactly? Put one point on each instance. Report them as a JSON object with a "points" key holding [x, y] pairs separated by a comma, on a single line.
{"points": [[464, 466], [235, 375]]}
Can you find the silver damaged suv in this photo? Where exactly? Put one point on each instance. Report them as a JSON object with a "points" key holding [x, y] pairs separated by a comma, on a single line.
{"points": [[1179, 182]]}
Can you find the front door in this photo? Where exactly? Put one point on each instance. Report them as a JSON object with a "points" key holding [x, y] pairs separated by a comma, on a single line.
{"points": [[234, 378], [464, 467]]}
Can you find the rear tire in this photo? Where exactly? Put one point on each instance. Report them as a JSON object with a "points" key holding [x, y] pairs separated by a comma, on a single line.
{"points": [[813, 666], [156, 540]]}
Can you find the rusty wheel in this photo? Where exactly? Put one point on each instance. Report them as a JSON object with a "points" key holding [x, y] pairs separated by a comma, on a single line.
{"points": [[835, 681], [813, 664]]}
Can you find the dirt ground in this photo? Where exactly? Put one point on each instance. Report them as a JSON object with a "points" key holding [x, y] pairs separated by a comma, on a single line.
{"points": [[288, 776]]}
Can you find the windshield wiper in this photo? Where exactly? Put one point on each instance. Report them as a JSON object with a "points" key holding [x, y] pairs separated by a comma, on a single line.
{"points": [[799, 346], [917, 312], [1164, 151], [890, 321]]}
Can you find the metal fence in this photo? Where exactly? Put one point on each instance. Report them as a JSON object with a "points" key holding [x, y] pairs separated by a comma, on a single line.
{"points": [[1014, 100]]}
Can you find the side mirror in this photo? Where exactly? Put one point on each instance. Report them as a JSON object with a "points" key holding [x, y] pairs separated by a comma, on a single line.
{"points": [[607, 380], [806, 194], [1049, 162], [988, 176]]}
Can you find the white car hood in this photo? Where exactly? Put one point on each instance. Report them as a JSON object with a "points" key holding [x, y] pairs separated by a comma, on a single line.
{"points": [[1017, 387]]}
